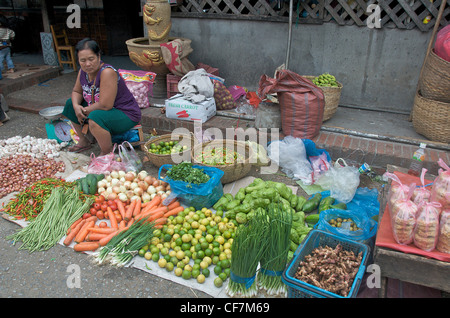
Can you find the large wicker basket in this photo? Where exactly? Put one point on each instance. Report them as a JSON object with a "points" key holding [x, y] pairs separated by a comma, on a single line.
{"points": [[431, 118], [332, 96], [159, 160], [435, 80], [233, 171]]}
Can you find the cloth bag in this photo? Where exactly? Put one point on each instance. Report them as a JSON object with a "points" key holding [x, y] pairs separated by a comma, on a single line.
{"points": [[196, 86], [301, 103], [175, 55]]}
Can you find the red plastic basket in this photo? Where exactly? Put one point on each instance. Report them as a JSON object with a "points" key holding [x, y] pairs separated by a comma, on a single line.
{"points": [[172, 85]]}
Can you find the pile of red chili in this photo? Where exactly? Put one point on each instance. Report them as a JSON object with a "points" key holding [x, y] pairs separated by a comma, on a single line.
{"points": [[28, 203]]}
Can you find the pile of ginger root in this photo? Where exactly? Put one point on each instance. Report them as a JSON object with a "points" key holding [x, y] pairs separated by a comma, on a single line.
{"points": [[331, 269]]}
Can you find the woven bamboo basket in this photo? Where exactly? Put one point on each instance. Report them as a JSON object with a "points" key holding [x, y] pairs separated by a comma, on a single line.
{"points": [[430, 118], [159, 160], [435, 80], [332, 96], [233, 171]]}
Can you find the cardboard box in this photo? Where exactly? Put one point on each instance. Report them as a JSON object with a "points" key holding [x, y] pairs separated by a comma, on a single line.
{"points": [[179, 108]]}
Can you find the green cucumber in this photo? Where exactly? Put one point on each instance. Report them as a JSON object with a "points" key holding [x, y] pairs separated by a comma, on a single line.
{"points": [[312, 218], [312, 203]]}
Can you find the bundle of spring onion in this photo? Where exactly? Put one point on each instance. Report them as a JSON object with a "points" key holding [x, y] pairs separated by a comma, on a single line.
{"points": [[274, 259], [126, 244], [62, 208], [248, 246]]}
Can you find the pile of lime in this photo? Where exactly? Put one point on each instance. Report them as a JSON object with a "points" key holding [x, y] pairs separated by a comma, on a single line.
{"points": [[166, 147], [192, 244]]}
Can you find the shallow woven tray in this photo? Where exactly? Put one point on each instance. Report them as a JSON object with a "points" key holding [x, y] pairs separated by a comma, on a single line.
{"points": [[159, 160], [232, 172]]}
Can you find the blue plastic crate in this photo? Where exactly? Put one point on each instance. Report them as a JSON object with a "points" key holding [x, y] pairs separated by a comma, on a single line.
{"points": [[316, 238]]}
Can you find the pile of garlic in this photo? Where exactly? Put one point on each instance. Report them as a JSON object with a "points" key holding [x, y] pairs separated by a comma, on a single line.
{"points": [[35, 147]]}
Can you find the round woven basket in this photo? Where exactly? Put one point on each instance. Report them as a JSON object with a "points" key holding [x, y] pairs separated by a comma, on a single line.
{"points": [[233, 171], [435, 80], [159, 160], [332, 96], [430, 118]]}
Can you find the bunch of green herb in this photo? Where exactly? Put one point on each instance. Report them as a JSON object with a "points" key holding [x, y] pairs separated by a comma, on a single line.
{"points": [[125, 245], [247, 249], [187, 173], [274, 260]]}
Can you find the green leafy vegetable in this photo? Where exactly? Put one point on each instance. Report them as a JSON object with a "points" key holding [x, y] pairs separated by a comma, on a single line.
{"points": [[186, 173]]}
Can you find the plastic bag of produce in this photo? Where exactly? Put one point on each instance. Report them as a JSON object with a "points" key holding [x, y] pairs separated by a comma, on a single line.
{"points": [[351, 224], [403, 218], [222, 96], [397, 191], [196, 195], [421, 193], [443, 244], [129, 158], [140, 84], [441, 186], [427, 226]]}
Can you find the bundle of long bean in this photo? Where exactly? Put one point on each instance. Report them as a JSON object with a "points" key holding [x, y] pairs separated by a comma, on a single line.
{"points": [[126, 244], [28, 203], [62, 208], [274, 259], [248, 246]]}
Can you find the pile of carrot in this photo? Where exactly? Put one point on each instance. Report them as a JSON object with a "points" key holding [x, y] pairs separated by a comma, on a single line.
{"points": [[89, 236]]}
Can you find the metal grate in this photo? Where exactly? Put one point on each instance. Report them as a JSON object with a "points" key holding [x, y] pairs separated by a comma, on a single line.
{"points": [[401, 14]]}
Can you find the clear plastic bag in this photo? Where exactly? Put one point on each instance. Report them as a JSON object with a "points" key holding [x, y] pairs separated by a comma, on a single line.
{"points": [[426, 231], [441, 186], [403, 218], [290, 155], [397, 191], [319, 165], [140, 84], [342, 181], [129, 158], [443, 244], [421, 194]]}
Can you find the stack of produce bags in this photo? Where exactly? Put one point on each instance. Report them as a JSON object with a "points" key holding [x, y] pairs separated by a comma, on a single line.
{"points": [[420, 216]]}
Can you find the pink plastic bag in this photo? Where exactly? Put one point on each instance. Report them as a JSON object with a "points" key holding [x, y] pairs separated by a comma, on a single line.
{"points": [[397, 191], [403, 218], [441, 186], [442, 43], [421, 194], [426, 232], [103, 164], [140, 84], [443, 244]]}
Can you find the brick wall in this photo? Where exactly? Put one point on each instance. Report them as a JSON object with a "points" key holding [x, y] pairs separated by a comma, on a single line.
{"points": [[92, 25]]}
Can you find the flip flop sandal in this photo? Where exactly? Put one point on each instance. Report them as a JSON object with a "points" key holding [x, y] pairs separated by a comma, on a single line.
{"points": [[78, 149]]}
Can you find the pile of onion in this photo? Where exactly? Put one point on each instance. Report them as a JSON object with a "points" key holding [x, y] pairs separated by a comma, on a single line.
{"points": [[130, 185]]}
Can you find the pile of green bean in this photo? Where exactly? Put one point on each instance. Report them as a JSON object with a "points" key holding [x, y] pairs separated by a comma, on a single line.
{"points": [[61, 209]]}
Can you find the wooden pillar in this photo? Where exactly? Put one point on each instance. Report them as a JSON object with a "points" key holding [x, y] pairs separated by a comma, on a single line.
{"points": [[45, 20]]}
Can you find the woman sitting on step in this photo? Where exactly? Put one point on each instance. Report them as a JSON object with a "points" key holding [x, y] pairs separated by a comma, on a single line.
{"points": [[101, 102]]}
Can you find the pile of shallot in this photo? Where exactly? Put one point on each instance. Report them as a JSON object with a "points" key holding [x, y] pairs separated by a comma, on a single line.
{"points": [[21, 171], [131, 185]]}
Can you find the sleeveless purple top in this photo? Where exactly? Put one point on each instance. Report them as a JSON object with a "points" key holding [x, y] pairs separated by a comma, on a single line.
{"points": [[124, 99]]}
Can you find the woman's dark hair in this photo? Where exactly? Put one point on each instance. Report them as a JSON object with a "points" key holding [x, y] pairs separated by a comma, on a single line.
{"points": [[85, 44]]}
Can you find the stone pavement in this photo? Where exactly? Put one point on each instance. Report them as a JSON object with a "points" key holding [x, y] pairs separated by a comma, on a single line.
{"points": [[40, 87]]}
